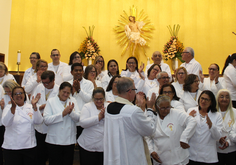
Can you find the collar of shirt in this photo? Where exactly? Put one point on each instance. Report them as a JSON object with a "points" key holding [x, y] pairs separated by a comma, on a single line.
{"points": [[123, 100]]}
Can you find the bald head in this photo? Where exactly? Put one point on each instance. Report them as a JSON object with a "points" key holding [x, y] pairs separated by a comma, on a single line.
{"points": [[157, 57]]}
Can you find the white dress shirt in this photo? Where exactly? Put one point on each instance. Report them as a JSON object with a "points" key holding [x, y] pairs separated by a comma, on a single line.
{"points": [[105, 81], [92, 136], [61, 130], [203, 142], [31, 84], [42, 128], [20, 133], [230, 80], [193, 67], [149, 84], [178, 88], [211, 85], [6, 77], [176, 127], [59, 72], [29, 72], [188, 101]]}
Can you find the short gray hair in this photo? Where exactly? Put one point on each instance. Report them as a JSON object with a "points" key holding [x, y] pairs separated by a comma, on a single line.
{"points": [[190, 50], [160, 73], [160, 99], [124, 84]]}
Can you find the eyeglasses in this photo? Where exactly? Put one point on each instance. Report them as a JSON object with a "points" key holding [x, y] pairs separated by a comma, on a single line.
{"points": [[181, 73], [98, 99], [77, 57], [99, 61], [213, 69], [7, 93], [165, 78], [131, 63], [43, 66], [204, 99], [54, 55], [33, 58], [92, 71], [226, 97], [167, 92], [196, 81], [164, 108], [184, 52], [131, 90], [19, 93]]}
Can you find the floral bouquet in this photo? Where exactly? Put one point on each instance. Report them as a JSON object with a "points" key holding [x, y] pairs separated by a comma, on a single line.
{"points": [[173, 48], [89, 48]]}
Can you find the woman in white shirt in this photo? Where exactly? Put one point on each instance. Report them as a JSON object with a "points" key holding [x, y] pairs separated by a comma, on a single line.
{"points": [[4, 75], [90, 73], [111, 91], [19, 118], [228, 113], [170, 142], [99, 64], [75, 57], [191, 92], [229, 72], [151, 79], [35, 79], [92, 120], [213, 83], [112, 70], [180, 76], [209, 130], [61, 114], [34, 57], [169, 90], [134, 73]]}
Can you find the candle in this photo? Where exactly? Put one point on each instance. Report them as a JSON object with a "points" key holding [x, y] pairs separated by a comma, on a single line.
{"points": [[18, 56]]}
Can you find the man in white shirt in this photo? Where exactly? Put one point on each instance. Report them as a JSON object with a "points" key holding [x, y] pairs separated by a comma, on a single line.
{"points": [[126, 125], [57, 66], [48, 89], [34, 57], [191, 65], [82, 89], [157, 59]]}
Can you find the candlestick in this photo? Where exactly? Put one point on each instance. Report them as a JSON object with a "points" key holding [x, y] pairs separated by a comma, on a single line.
{"points": [[18, 56]]}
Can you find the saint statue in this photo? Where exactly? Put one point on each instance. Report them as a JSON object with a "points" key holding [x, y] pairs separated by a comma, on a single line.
{"points": [[132, 31]]}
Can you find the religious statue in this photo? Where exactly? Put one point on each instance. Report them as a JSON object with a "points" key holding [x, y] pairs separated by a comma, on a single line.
{"points": [[132, 31]]}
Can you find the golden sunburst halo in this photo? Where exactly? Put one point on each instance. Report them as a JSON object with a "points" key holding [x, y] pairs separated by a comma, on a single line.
{"points": [[147, 29]]}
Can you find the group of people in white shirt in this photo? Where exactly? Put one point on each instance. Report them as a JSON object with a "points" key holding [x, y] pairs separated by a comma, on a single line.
{"points": [[188, 119]]}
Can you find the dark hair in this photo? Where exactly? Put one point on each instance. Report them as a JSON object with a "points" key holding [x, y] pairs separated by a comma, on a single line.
{"points": [[17, 88], [76, 64], [88, 70], [175, 97], [189, 81], [132, 17], [72, 56], [150, 69], [65, 84], [55, 50], [108, 72], [48, 74], [96, 59], [37, 54], [228, 60], [109, 87], [98, 90], [3, 67], [212, 107], [136, 61]]}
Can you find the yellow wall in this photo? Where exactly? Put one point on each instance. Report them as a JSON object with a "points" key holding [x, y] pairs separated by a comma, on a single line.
{"points": [[41, 25], [5, 15]]}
